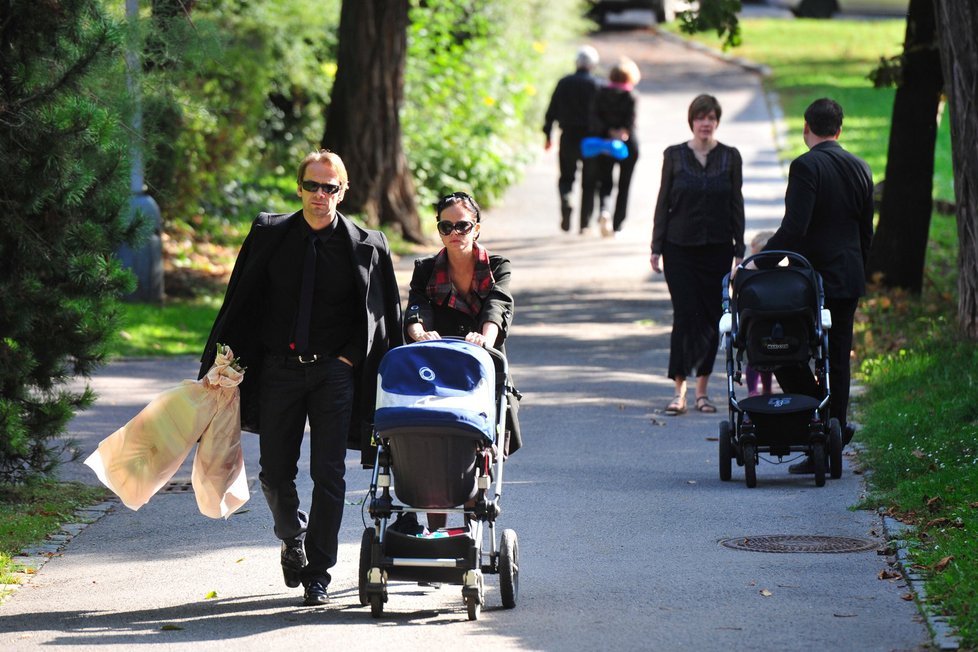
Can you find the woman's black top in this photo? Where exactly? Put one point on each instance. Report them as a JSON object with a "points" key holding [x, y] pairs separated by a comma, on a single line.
{"points": [[700, 205], [435, 314], [613, 108]]}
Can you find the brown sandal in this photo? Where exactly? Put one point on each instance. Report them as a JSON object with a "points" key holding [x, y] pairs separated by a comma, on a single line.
{"points": [[703, 404], [676, 406]]}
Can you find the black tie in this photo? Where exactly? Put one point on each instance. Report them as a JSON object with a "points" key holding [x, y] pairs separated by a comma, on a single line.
{"points": [[301, 342]]}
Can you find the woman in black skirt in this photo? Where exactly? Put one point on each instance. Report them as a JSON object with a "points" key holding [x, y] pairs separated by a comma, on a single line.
{"points": [[698, 234]]}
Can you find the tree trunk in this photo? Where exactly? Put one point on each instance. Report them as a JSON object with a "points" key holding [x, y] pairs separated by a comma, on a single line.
{"points": [[957, 25], [900, 244], [363, 123]]}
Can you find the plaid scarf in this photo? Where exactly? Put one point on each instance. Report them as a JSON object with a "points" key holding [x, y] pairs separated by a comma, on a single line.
{"points": [[441, 291]]}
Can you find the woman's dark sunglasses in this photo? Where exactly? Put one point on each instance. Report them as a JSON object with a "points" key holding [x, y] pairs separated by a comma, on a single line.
{"points": [[312, 186], [445, 227]]}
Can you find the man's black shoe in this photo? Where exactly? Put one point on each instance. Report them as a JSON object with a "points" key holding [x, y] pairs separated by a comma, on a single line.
{"points": [[805, 467], [315, 595], [565, 214], [293, 560], [848, 431]]}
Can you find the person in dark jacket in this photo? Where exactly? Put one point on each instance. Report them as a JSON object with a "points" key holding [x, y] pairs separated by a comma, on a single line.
{"points": [[612, 116], [570, 107], [698, 234], [462, 291], [311, 307], [828, 218]]}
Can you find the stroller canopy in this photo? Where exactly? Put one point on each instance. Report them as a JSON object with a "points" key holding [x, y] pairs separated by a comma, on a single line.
{"points": [[437, 383]]}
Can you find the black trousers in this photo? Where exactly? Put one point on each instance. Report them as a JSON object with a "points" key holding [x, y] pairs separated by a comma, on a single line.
{"points": [[290, 393], [568, 155], [801, 380], [598, 177], [694, 276]]}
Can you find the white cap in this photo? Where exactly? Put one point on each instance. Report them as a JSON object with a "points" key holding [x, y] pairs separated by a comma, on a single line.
{"points": [[587, 57]]}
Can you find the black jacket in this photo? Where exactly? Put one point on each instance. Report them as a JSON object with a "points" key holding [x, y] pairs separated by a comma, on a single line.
{"points": [[613, 108], [570, 104], [239, 319], [828, 217]]}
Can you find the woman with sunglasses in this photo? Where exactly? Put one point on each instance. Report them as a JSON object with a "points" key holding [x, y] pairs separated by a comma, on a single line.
{"points": [[462, 291]]}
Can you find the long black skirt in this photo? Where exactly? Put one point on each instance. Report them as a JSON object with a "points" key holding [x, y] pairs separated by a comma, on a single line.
{"points": [[694, 276]]}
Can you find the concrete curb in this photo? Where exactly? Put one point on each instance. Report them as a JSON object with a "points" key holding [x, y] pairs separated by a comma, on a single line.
{"points": [[33, 557], [943, 634]]}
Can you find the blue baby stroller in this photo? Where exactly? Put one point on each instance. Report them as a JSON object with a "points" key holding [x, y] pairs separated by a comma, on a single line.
{"points": [[776, 316], [440, 429]]}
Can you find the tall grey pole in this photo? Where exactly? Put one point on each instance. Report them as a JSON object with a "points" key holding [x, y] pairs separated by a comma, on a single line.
{"points": [[146, 262]]}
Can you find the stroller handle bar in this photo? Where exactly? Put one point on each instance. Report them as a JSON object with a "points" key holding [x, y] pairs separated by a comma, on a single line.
{"points": [[496, 354], [771, 258]]}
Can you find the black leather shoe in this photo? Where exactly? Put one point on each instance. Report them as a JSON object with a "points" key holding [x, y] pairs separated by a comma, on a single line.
{"points": [[805, 467], [293, 560], [848, 431], [315, 595]]}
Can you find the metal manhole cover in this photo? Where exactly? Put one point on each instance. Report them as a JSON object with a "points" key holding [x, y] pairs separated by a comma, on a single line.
{"points": [[177, 487], [800, 543]]}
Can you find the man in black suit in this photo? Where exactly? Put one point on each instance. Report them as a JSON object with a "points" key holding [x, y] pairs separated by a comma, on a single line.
{"points": [[311, 307], [828, 219]]}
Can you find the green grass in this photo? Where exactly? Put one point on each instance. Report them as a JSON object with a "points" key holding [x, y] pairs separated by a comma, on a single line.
{"points": [[31, 511], [175, 328], [817, 58]]}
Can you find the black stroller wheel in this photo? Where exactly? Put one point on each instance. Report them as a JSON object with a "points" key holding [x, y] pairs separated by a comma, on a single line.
{"points": [[726, 451], [750, 468], [376, 605], [366, 542], [835, 449], [818, 461], [509, 569]]}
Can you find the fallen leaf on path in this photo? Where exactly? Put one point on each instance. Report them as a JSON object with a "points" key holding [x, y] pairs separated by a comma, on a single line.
{"points": [[907, 596], [934, 503], [938, 522], [171, 628], [887, 574], [239, 561], [942, 564], [211, 595], [766, 593]]}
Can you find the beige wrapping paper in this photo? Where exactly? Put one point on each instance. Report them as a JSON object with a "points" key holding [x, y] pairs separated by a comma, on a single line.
{"points": [[137, 460]]}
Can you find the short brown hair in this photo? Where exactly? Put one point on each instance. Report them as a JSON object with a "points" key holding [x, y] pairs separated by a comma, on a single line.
{"points": [[332, 159], [702, 105], [625, 72]]}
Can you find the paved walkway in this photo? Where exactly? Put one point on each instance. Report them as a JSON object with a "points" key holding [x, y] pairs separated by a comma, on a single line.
{"points": [[619, 509]]}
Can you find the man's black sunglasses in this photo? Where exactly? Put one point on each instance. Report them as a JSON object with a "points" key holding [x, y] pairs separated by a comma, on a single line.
{"points": [[312, 186], [445, 227]]}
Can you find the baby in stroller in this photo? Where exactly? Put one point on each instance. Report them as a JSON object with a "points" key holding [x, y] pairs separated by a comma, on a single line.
{"points": [[775, 315]]}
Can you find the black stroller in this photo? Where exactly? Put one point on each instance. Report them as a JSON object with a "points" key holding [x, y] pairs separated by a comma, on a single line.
{"points": [[439, 427], [776, 315]]}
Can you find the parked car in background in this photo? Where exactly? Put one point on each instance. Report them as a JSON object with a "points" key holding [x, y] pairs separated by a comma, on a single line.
{"points": [[664, 10], [826, 8]]}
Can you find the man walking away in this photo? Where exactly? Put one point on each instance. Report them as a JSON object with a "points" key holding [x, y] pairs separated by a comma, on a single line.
{"points": [[570, 107], [828, 218]]}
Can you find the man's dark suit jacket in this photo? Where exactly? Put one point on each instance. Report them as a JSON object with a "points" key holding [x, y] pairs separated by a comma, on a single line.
{"points": [[239, 319], [828, 217]]}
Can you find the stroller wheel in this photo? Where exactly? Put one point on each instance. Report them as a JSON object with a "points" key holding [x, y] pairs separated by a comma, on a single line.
{"points": [[366, 542], [726, 451], [818, 461], [509, 569], [750, 461], [376, 605], [835, 449]]}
